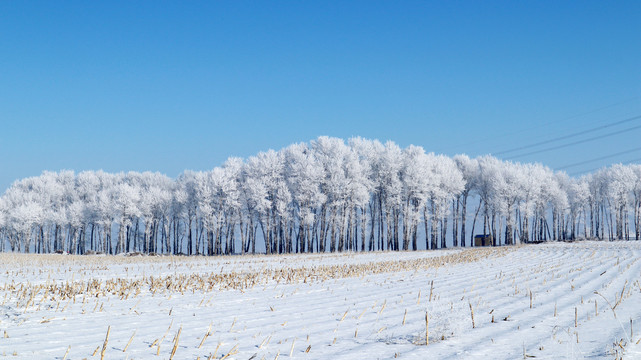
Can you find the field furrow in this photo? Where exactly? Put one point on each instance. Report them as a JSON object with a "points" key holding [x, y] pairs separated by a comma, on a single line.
{"points": [[579, 300]]}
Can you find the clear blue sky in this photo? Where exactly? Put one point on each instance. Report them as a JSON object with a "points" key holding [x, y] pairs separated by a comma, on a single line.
{"points": [[168, 86]]}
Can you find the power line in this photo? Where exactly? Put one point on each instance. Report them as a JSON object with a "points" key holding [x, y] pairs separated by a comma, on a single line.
{"points": [[602, 108], [598, 159], [595, 169], [574, 143], [569, 136], [562, 120]]}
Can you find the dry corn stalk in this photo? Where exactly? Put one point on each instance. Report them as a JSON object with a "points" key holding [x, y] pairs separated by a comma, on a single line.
{"points": [[173, 351], [104, 345], [66, 353], [215, 351], [231, 352], [180, 283], [427, 329], [291, 351], [129, 342], [343, 318], [383, 307], [206, 335]]}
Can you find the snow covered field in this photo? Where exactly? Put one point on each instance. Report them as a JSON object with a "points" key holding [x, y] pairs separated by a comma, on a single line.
{"points": [[525, 302]]}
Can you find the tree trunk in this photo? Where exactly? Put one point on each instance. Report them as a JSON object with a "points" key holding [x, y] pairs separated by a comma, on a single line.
{"points": [[463, 217]]}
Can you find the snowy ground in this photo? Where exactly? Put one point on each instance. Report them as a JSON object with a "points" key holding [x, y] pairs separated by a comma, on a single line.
{"points": [[352, 306]]}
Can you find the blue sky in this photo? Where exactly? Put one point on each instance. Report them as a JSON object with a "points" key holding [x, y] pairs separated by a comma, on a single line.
{"points": [[169, 86]]}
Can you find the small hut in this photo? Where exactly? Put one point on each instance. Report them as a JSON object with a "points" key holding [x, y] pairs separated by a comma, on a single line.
{"points": [[483, 240]]}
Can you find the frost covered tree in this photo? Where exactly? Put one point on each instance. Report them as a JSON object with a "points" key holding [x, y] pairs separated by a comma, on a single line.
{"points": [[578, 195], [621, 183], [386, 167], [636, 195], [415, 176], [469, 170], [331, 154], [305, 175], [325, 195], [366, 152], [266, 187], [125, 198]]}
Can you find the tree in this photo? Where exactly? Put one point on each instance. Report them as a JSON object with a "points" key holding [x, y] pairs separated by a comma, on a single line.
{"points": [[469, 170], [305, 174], [619, 190], [325, 195], [415, 177]]}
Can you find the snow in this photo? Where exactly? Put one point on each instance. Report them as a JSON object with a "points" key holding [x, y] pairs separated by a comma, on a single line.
{"points": [[349, 306]]}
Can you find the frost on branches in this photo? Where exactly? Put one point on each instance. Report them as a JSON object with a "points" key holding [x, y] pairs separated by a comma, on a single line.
{"points": [[322, 196]]}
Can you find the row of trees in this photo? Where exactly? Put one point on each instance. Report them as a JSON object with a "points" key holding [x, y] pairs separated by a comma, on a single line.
{"points": [[326, 195]]}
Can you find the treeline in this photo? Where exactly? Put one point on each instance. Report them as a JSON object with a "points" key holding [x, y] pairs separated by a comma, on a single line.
{"points": [[326, 195]]}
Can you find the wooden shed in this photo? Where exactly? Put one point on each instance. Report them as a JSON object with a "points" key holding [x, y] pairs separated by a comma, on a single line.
{"points": [[482, 240]]}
